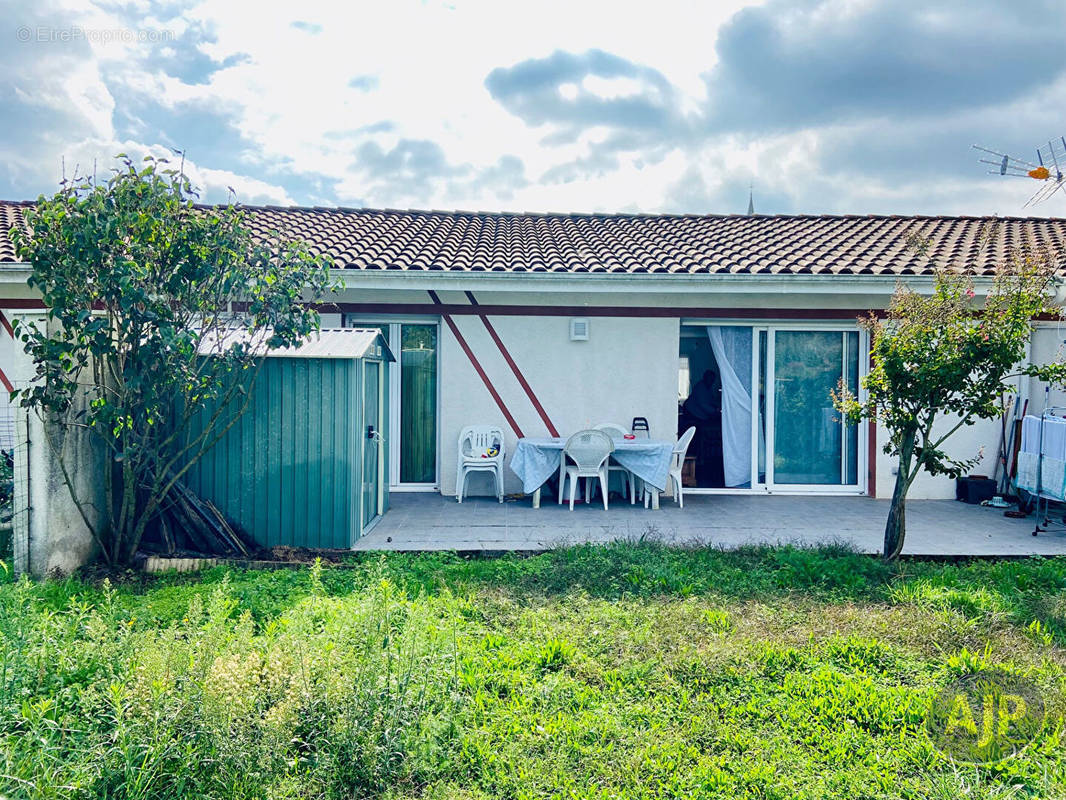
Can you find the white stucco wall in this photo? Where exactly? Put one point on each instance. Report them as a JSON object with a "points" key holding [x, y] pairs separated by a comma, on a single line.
{"points": [[16, 367], [967, 442], [627, 368], [1048, 345]]}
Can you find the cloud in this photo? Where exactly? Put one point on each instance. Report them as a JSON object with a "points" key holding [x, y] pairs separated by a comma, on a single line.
{"points": [[364, 83], [183, 54], [196, 126], [409, 160], [825, 105], [598, 163], [793, 65], [412, 170], [307, 27], [52, 95], [498, 182], [575, 91]]}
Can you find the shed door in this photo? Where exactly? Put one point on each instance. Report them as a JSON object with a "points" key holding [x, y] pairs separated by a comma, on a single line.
{"points": [[373, 442]]}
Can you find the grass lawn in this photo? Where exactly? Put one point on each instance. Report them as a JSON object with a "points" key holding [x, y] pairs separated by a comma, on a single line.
{"points": [[625, 671]]}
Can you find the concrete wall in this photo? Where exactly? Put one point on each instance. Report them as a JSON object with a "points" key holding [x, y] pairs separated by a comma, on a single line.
{"points": [[57, 539], [50, 535]]}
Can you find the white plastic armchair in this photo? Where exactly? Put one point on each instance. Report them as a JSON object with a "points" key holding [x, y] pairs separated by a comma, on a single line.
{"points": [[677, 460], [475, 444], [629, 481], [589, 450]]}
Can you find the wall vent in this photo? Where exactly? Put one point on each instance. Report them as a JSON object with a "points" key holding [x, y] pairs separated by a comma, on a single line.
{"points": [[579, 330]]}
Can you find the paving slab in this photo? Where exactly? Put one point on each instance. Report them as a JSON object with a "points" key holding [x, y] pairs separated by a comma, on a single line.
{"points": [[424, 521]]}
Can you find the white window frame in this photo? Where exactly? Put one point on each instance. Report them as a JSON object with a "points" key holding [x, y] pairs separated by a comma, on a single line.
{"points": [[862, 429], [394, 321]]}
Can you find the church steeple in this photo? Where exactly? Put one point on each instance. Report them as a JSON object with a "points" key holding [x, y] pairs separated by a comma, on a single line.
{"points": [[751, 200]]}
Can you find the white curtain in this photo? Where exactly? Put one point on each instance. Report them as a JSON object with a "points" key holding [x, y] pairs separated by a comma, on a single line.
{"points": [[732, 350]]}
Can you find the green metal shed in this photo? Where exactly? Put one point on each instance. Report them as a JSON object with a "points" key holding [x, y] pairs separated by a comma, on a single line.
{"points": [[306, 464]]}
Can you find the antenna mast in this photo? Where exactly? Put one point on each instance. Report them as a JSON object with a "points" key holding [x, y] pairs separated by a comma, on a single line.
{"points": [[1051, 160]]}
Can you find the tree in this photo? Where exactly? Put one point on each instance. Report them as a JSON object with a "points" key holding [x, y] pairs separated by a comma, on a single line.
{"points": [[944, 355], [138, 282]]}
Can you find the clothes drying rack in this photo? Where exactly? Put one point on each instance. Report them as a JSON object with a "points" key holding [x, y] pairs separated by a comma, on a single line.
{"points": [[1050, 485]]}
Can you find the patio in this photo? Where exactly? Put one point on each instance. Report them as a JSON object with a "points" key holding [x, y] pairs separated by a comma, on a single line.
{"points": [[934, 527]]}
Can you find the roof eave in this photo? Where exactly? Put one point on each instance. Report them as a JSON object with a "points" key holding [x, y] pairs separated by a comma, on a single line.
{"points": [[665, 283]]}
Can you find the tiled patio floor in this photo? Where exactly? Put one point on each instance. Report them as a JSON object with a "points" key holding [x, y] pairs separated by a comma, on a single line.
{"points": [[934, 527]]}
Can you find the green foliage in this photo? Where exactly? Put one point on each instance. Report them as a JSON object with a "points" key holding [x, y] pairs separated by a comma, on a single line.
{"points": [[431, 676], [7, 496], [7, 482], [946, 354], [138, 281]]}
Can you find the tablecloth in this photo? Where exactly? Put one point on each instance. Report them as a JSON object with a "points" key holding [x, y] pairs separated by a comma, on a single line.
{"points": [[536, 460]]}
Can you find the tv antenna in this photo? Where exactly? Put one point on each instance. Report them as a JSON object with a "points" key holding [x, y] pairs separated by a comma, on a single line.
{"points": [[1051, 160]]}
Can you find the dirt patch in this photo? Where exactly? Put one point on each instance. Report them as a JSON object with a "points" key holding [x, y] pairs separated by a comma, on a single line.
{"points": [[301, 554]]}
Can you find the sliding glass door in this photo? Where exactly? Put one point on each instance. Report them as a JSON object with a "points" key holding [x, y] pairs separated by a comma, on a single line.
{"points": [[764, 410], [811, 444], [412, 435]]}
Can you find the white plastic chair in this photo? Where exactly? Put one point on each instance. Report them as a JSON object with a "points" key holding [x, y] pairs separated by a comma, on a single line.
{"points": [[677, 460], [589, 450], [618, 434], [475, 442]]}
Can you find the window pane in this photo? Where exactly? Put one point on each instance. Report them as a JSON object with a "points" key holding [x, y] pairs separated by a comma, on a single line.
{"points": [[851, 432], [808, 366], [762, 408], [418, 403]]}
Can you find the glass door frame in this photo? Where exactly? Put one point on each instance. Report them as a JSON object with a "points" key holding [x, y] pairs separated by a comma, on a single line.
{"points": [[368, 523], [394, 322], [859, 487], [862, 430]]}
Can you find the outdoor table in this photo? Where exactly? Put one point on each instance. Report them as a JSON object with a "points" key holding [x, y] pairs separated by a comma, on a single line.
{"points": [[535, 460]]}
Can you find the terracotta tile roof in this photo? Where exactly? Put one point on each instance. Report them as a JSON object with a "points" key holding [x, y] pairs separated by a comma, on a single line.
{"points": [[392, 239], [10, 217]]}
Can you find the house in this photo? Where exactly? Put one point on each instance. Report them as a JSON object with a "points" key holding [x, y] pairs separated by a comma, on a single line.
{"points": [[548, 323]]}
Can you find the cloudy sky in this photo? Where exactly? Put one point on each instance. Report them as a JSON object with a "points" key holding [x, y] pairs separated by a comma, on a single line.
{"points": [[824, 106]]}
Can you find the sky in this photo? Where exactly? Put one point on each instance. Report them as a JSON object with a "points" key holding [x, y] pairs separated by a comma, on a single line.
{"points": [[815, 106]]}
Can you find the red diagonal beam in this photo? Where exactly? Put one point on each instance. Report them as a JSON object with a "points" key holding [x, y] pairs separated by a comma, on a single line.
{"points": [[11, 332], [478, 368], [514, 368]]}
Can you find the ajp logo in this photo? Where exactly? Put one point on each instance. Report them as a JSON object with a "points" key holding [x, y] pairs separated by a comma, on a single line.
{"points": [[985, 717]]}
